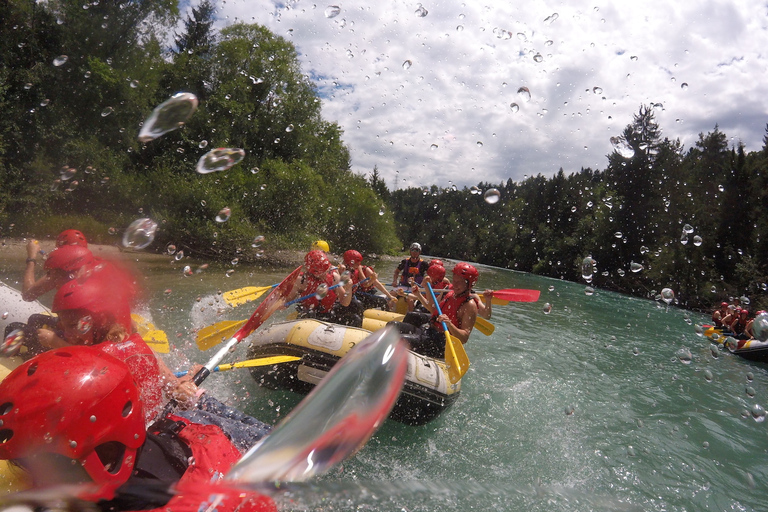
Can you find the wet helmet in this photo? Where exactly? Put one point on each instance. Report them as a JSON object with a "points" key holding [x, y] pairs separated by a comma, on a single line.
{"points": [[95, 296], [415, 247], [723, 304], [73, 403], [468, 272], [321, 245], [71, 237], [69, 258], [436, 262], [436, 273], [316, 262], [352, 257]]}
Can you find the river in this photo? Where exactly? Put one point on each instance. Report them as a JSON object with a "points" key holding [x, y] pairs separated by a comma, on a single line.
{"points": [[594, 406]]}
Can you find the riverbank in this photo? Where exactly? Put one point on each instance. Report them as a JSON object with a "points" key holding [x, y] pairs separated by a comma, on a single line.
{"points": [[15, 249]]}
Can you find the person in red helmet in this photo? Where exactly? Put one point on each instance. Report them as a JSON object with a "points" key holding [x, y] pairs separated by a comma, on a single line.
{"points": [[739, 325], [62, 264], [100, 438], [71, 237], [364, 281], [317, 278], [719, 314], [459, 313]]}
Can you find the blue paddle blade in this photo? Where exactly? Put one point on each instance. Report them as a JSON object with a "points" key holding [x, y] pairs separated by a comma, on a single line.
{"points": [[336, 419]]}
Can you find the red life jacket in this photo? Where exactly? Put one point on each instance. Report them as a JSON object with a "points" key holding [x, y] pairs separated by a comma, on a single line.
{"points": [[320, 306], [213, 455], [450, 306], [144, 368]]}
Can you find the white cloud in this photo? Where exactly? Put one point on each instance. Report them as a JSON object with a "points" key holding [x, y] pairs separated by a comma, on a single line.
{"points": [[468, 60]]}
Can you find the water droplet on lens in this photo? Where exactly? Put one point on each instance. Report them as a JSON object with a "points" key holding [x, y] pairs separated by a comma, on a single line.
{"points": [[687, 228], [223, 215], [219, 159], [697, 241], [170, 248], [140, 233], [684, 355], [760, 327], [107, 111], [168, 116], [407, 64], [257, 241], [289, 128], [618, 234], [621, 147], [758, 413], [547, 308], [60, 60], [332, 11], [667, 295], [750, 391], [524, 93], [597, 90], [514, 107], [492, 196], [589, 291], [635, 267], [708, 376]]}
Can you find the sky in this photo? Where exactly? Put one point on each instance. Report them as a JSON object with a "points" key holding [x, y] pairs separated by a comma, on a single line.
{"points": [[430, 93]]}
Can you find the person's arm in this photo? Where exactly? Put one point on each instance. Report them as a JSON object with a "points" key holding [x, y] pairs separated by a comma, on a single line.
{"points": [[397, 274], [31, 288], [374, 277], [467, 317], [343, 292], [485, 305], [426, 300], [748, 329], [182, 389]]}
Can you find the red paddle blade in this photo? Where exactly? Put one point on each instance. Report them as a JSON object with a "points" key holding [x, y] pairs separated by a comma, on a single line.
{"points": [[514, 295], [273, 301]]}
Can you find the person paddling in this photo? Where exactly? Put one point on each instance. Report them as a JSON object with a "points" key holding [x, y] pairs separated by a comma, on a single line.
{"points": [[319, 278], [364, 281], [459, 314], [75, 416]]}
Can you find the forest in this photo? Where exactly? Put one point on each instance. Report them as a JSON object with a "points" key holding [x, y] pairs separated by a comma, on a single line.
{"points": [[77, 81]]}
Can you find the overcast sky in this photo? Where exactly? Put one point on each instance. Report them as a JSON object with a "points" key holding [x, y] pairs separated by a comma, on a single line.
{"points": [[425, 91]]}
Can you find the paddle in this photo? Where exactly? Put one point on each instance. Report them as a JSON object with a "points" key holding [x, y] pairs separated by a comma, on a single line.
{"points": [[240, 296], [250, 363], [210, 336], [517, 295], [155, 338], [455, 355], [507, 295], [336, 419]]}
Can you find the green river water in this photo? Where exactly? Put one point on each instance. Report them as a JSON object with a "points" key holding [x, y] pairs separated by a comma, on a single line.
{"points": [[590, 407]]}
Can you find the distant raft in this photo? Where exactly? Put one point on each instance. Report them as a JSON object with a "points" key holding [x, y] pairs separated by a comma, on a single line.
{"points": [[427, 391], [751, 349]]}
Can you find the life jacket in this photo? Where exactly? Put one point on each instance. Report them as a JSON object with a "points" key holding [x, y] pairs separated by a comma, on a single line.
{"points": [[718, 321], [737, 327], [201, 455], [411, 269], [144, 368], [450, 306], [319, 306]]}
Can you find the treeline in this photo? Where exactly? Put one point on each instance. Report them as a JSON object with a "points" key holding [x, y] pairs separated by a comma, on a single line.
{"points": [[78, 78], [695, 220]]}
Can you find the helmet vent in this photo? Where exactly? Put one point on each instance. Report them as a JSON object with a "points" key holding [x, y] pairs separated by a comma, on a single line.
{"points": [[127, 408], [32, 369], [5, 435], [111, 456], [6, 408]]}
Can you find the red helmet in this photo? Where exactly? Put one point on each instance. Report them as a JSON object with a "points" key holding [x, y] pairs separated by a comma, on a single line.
{"points": [[436, 262], [351, 257], [468, 272], [436, 273], [744, 312], [71, 237], [96, 296], [316, 262], [74, 402], [69, 258], [723, 304]]}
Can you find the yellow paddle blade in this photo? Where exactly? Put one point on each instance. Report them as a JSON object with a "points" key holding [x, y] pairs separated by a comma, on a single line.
{"points": [[456, 357], [262, 361], [484, 326], [212, 335], [155, 338], [243, 295], [157, 341], [499, 302]]}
